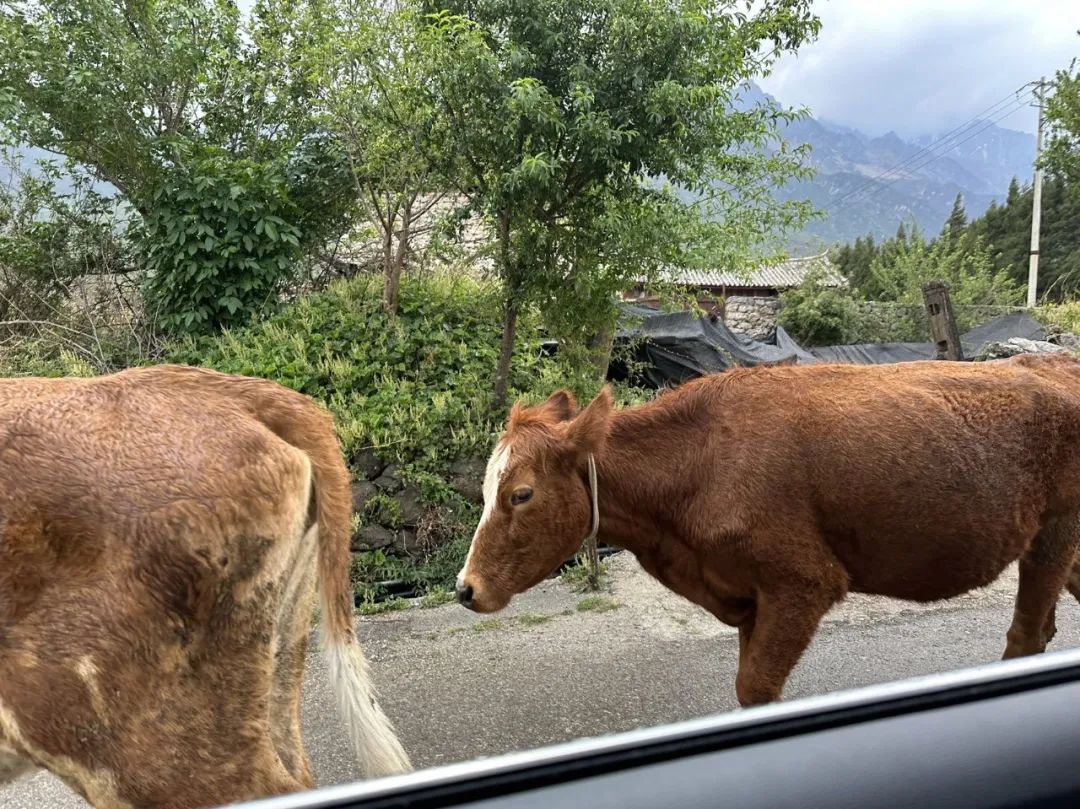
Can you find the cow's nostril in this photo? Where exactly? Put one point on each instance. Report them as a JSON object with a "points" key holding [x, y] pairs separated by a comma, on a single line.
{"points": [[465, 596]]}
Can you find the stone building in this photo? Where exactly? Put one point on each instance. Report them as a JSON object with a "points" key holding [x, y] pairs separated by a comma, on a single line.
{"points": [[748, 304]]}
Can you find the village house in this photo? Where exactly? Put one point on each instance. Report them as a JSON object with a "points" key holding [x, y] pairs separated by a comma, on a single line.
{"points": [[715, 287]]}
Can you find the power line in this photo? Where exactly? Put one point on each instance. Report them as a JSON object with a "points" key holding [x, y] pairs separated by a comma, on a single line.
{"points": [[877, 186], [946, 141]]}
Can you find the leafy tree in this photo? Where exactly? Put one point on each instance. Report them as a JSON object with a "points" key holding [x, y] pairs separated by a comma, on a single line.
{"points": [[957, 220], [853, 261], [965, 264], [142, 94], [368, 79], [219, 243], [818, 314], [568, 124], [1062, 155]]}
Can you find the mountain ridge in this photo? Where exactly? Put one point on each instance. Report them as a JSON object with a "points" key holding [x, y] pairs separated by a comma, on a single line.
{"points": [[872, 184]]}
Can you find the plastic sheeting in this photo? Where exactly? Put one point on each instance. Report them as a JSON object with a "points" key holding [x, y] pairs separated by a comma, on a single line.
{"points": [[997, 330], [672, 348], [667, 349]]}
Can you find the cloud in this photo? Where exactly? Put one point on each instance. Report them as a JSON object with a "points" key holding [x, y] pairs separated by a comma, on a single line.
{"points": [[925, 66]]}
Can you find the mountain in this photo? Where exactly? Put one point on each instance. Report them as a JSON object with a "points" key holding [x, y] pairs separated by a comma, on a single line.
{"points": [[867, 184]]}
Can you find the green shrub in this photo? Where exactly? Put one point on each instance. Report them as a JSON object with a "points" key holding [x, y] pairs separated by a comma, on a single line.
{"points": [[1065, 316], [818, 315], [383, 510], [219, 242]]}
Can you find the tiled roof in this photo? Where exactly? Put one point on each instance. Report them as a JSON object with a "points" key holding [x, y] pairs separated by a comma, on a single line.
{"points": [[785, 275]]}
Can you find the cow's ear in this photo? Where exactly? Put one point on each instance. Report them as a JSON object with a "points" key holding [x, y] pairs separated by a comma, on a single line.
{"points": [[588, 431], [560, 406]]}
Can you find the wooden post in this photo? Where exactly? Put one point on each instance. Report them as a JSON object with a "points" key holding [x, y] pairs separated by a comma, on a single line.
{"points": [[943, 331]]}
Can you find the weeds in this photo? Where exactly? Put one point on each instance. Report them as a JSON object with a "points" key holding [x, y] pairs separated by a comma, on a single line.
{"points": [[582, 579], [436, 598], [597, 604], [369, 607], [533, 619]]}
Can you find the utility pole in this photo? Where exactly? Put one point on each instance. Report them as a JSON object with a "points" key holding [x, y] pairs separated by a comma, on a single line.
{"points": [[1036, 202]]}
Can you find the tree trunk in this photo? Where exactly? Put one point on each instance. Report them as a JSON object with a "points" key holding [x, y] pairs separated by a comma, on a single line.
{"points": [[600, 347], [388, 268], [510, 314], [506, 350], [396, 262]]}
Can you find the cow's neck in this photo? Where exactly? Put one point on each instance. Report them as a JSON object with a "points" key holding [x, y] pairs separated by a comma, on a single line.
{"points": [[640, 472]]}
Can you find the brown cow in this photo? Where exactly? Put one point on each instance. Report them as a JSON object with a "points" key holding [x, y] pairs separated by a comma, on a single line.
{"points": [[161, 534], [765, 495]]}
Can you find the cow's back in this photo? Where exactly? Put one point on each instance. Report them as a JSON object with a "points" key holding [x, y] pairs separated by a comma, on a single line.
{"points": [[877, 457]]}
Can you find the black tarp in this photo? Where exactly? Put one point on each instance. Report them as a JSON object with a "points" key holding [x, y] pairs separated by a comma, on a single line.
{"points": [[674, 347], [666, 349], [999, 329]]}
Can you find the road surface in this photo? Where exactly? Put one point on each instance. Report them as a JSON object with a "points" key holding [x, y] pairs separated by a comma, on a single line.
{"points": [[556, 666]]}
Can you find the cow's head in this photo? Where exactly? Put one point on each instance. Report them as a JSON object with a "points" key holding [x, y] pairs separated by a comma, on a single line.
{"points": [[537, 506]]}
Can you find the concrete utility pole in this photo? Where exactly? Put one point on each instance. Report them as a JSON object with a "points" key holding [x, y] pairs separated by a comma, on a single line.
{"points": [[1036, 202]]}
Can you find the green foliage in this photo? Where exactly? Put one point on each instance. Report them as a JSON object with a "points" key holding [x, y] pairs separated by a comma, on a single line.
{"points": [[218, 244], [853, 261], [597, 604], [559, 117], [204, 121], [957, 221], [381, 509], [1062, 154], [436, 597], [965, 263], [580, 577], [415, 388], [65, 288], [369, 606], [1007, 230], [367, 72], [115, 85], [50, 238], [1065, 316], [817, 314]]}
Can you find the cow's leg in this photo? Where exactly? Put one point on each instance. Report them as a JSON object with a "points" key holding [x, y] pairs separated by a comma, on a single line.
{"points": [[786, 618], [1045, 569], [13, 766], [294, 626], [1073, 584], [746, 631], [1050, 626]]}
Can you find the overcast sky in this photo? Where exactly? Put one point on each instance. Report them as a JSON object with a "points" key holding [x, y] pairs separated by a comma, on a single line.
{"points": [[925, 66]]}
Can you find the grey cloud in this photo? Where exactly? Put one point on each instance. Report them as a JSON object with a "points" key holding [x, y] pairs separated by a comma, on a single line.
{"points": [[928, 71]]}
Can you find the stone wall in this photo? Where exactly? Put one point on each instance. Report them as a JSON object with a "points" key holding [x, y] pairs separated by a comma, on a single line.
{"points": [[753, 317], [390, 512]]}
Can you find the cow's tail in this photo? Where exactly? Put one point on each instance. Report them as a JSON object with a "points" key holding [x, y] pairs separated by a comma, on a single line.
{"points": [[305, 425]]}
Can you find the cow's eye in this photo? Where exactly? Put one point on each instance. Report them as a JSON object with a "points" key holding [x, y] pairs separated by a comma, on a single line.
{"points": [[522, 494]]}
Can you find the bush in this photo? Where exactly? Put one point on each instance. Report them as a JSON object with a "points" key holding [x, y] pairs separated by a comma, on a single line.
{"points": [[818, 315], [219, 243], [1065, 316]]}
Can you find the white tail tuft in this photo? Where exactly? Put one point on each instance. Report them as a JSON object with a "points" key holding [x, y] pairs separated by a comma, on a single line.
{"points": [[373, 738]]}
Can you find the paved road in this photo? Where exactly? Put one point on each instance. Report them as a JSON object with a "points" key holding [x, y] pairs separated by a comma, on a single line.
{"points": [[461, 686]]}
